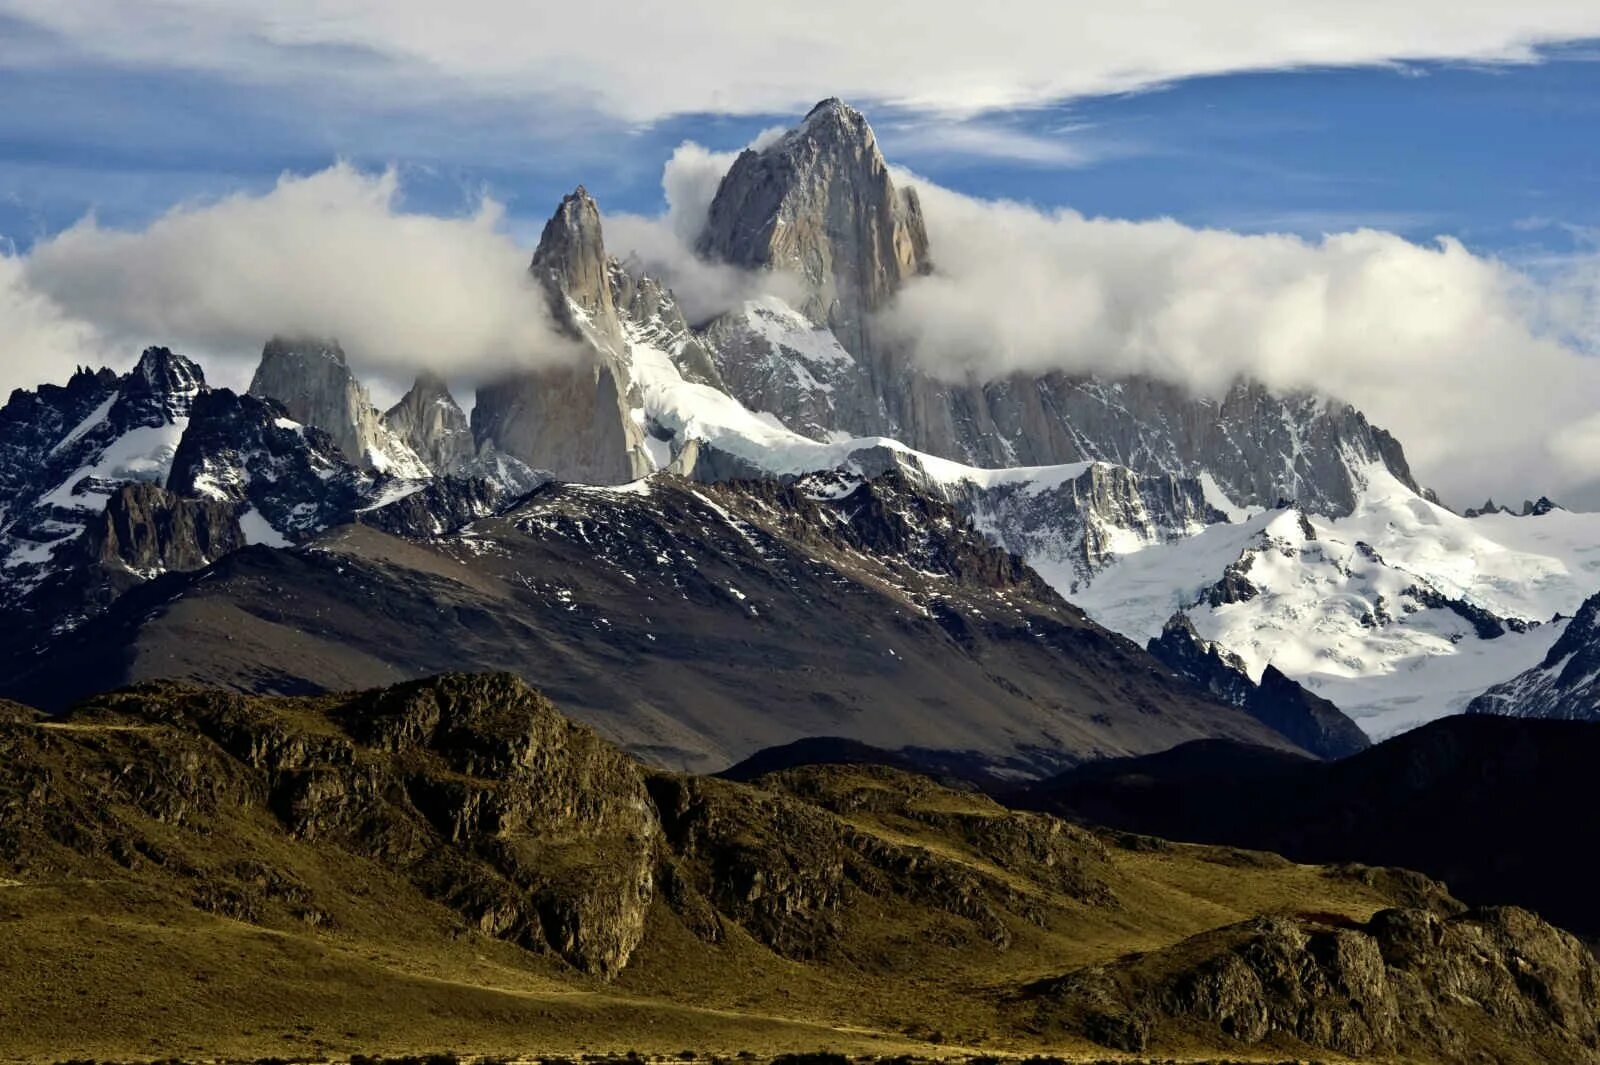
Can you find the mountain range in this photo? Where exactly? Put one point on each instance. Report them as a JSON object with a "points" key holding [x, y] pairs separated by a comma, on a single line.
{"points": [[1284, 530]]}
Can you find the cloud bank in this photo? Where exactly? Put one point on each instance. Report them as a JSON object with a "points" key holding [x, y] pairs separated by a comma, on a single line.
{"points": [[332, 254], [1459, 355], [728, 56], [1479, 369], [664, 246]]}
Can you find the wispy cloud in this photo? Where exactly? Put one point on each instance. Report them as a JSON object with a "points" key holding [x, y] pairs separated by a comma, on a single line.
{"points": [[945, 139], [730, 56]]}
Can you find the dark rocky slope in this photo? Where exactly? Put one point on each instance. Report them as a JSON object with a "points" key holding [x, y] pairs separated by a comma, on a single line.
{"points": [[1277, 701], [695, 625]]}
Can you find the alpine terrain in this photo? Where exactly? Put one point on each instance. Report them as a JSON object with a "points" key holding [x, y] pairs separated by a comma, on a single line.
{"points": [[734, 681]]}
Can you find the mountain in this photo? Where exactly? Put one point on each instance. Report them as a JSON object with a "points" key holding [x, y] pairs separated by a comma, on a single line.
{"points": [[1398, 613], [1470, 800], [692, 624], [1564, 685], [452, 862], [311, 378], [818, 203], [430, 422], [819, 207], [68, 449], [1284, 529], [1312, 723], [115, 481], [572, 417]]}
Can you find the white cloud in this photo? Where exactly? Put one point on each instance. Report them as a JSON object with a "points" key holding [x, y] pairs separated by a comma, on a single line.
{"points": [[940, 138], [732, 56], [332, 253], [39, 341], [664, 246], [1465, 359], [1478, 367]]}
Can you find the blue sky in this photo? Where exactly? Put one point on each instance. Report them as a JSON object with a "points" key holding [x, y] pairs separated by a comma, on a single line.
{"points": [[1505, 157]]}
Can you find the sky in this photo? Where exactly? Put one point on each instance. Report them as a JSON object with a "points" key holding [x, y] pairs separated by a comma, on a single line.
{"points": [[195, 170]]}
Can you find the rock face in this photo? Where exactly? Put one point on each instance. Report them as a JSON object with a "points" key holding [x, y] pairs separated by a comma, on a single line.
{"points": [[572, 265], [650, 316], [147, 530], [244, 450], [1077, 519], [1409, 982], [1313, 722], [818, 204], [1565, 685], [310, 377], [474, 788], [430, 422], [573, 421], [573, 417]]}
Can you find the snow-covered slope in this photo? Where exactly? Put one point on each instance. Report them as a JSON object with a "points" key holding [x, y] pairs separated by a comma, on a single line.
{"points": [[1399, 613], [66, 457]]}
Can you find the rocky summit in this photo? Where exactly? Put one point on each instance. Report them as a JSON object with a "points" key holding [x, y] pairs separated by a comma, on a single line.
{"points": [[467, 867]]}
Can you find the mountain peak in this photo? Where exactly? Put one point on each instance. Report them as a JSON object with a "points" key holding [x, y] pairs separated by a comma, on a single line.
{"points": [[160, 371], [836, 112], [430, 422], [571, 262], [312, 379], [819, 203], [304, 346]]}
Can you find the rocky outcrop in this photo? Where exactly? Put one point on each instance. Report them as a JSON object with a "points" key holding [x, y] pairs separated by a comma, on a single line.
{"points": [[1080, 518], [1283, 704], [650, 315], [571, 264], [430, 422], [147, 530], [310, 377], [1494, 983], [472, 787], [442, 506], [244, 450]]}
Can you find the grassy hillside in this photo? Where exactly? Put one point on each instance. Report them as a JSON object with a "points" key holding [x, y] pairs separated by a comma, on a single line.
{"points": [[451, 864]]}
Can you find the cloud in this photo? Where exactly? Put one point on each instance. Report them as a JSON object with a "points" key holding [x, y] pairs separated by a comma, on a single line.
{"points": [[728, 56], [1467, 360], [1481, 369], [664, 246], [332, 253], [954, 139], [41, 342]]}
